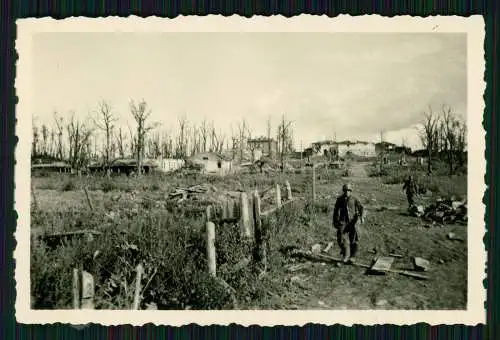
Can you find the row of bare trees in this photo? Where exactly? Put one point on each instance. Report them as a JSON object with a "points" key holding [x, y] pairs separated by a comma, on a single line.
{"points": [[99, 137], [444, 136]]}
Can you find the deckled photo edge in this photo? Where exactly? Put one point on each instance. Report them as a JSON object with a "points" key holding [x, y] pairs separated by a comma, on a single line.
{"points": [[475, 314]]}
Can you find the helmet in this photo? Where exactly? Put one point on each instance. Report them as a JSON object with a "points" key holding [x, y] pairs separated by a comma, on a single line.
{"points": [[347, 187]]}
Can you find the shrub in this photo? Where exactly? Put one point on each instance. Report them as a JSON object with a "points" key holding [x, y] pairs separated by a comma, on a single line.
{"points": [[108, 185], [69, 185]]}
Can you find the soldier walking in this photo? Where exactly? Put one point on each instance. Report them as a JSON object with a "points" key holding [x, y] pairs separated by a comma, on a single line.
{"points": [[411, 190], [348, 210]]}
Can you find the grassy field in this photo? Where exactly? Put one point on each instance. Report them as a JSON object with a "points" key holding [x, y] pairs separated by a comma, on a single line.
{"points": [[139, 224]]}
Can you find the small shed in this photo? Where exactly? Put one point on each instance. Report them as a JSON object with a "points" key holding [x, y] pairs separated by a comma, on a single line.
{"points": [[211, 162]]}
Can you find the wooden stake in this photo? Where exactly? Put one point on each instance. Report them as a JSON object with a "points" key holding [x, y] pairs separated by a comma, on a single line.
{"points": [[278, 196], [313, 183], [87, 291], [288, 191], [33, 194], [137, 295], [211, 259], [76, 289], [245, 223], [230, 208], [88, 199], [208, 213], [257, 226]]}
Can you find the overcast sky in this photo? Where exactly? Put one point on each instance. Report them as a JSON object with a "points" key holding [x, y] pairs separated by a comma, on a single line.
{"points": [[351, 85]]}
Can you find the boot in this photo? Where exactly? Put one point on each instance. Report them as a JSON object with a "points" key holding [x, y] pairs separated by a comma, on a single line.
{"points": [[354, 250]]}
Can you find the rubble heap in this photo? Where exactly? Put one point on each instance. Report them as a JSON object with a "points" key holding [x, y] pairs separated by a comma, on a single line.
{"points": [[444, 211]]}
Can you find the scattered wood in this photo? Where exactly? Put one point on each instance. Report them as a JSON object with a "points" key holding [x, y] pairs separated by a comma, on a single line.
{"points": [[329, 259], [421, 264], [297, 267], [328, 247], [453, 237], [382, 265], [396, 255], [316, 248]]}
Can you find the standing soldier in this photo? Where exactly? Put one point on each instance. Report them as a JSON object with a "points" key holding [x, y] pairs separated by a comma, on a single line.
{"points": [[345, 216], [411, 190]]}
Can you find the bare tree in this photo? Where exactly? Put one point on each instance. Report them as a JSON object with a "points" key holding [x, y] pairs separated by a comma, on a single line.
{"points": [[182, 138], [45, 139], [34, 143], [105, 121], [78, 136], [132, 147], [141, 114], [453, 136], [429, 135], [204, 131], [60, 131], [382, 133], [120, 139], [270, 144], [284, 139], [243, 132], [462, 142]]}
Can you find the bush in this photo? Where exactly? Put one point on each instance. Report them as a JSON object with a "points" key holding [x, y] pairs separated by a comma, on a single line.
{"points": [[109, 185], [69, 185]]}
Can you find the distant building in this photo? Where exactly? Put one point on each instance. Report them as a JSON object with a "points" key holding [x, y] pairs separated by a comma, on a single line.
{"points": [[211, 162], [267, 146], [384, 147], [123, 166], [357, 148], [341, 149], [169, 164], [61, 167]]}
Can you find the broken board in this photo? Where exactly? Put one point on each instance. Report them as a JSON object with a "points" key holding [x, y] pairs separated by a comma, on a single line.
{"points": [[382, 265]]}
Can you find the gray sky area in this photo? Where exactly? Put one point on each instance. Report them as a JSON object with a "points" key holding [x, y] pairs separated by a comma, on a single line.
{"points": [[350, 84]]}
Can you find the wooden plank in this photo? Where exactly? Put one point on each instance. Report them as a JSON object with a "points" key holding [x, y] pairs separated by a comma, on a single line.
{"points": [[382, 265]]}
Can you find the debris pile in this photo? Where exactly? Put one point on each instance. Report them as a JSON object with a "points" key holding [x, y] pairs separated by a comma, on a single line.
{"points": [[444, 211], [185, 193]]}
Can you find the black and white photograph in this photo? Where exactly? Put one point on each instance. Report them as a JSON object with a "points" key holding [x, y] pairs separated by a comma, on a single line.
{"points": [[332, 174]]}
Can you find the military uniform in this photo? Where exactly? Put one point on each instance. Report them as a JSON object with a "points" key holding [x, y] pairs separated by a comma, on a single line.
{"points": [[347, 212], [411, 190]]}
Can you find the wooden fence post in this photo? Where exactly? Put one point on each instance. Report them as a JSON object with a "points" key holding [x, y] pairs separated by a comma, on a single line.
{"points": [[89, 201], [230, 208], [210, 230], [288, 191], [259, 240], [33, 194], [208, 213], [76, 288], [278, 196], [87, 291], [137, 294], [244, 215], [313, 183]]}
